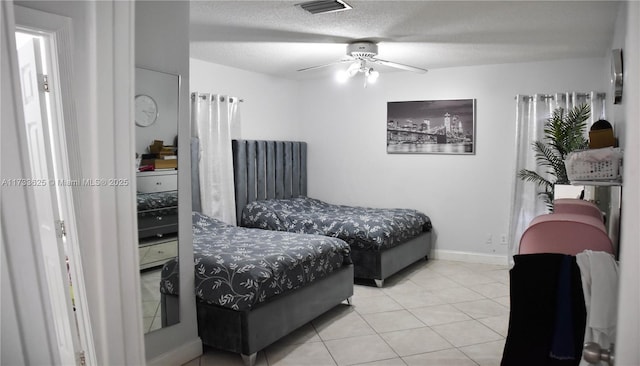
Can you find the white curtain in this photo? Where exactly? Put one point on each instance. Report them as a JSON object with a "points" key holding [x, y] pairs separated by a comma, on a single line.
{"points": [[532, 112], [212, 118]]}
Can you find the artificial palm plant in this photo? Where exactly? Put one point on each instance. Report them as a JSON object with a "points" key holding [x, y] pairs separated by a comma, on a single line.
{"points": [[563, 133]]}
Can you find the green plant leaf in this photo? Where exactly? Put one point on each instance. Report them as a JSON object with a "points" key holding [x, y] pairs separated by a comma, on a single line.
{"points": [[563, 133], [531, 176]]}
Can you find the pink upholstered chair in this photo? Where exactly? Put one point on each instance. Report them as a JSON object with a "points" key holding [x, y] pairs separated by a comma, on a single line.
{"points": [[565, 233], [577, 206]]}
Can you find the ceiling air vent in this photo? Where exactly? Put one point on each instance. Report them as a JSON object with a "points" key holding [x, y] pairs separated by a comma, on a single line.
{"points": [[324, 6]]}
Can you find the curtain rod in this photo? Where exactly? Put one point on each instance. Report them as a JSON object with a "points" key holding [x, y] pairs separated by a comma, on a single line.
{"points": [[205, 96], [552, 96]]}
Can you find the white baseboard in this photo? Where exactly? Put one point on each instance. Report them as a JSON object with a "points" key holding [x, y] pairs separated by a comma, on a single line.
{"points": [[180, 355], [470, 257]]}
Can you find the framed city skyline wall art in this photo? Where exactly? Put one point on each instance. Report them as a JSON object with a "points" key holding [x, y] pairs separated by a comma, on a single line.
{"points": [[432, 127]]}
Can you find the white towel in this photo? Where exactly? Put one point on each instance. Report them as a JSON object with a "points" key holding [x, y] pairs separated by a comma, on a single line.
{"points": [[599, 271]]}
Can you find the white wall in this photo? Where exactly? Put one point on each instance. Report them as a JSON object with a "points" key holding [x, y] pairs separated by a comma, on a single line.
{"points": [[616, 112], [269, 110], [467, 197], [628, 336]]}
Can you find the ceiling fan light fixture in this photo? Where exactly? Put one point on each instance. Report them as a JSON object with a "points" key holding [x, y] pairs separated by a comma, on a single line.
{"points": [[342, 76], [359, 66], [324, 6], [372, 75], [353, 69]]}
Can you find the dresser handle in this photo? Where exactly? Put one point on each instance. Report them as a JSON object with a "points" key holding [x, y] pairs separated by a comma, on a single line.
{"points": [[159, 218], [158, 183]]}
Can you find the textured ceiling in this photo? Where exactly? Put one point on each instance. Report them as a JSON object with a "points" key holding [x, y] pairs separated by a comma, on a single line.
{"points": [[277, 37]]}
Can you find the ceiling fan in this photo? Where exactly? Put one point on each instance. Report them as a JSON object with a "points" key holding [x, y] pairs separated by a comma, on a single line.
{"points": [[361, 54]]}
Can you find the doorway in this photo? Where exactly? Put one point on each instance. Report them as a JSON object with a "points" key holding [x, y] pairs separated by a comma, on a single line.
{"points": [[47, 159]]}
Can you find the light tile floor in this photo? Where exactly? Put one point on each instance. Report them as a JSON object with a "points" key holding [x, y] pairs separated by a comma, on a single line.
{"points": [[150, 291], [437, 313]]}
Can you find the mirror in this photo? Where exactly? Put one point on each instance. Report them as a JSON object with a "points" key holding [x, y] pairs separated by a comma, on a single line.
{"points": [[156, 131]]}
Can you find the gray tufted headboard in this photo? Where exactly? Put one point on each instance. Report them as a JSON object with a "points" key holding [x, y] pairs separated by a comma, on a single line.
{"points": [[268, 169], [195, 175]]}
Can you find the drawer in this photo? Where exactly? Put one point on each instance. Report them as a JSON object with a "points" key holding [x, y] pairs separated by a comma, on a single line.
{"points": [[157, 225], [157, 231], [158, 254], [149, 220], [157, 183]]}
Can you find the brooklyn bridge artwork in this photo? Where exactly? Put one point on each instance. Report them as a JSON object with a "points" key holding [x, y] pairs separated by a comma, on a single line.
{"points": [[431, 126]]}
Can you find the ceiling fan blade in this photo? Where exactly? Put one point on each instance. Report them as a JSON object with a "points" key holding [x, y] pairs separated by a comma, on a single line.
{"points": [[325, 65], [397, 65]]}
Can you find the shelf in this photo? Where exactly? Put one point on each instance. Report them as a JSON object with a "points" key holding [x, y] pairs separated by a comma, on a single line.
{"points": [[157, 172], [604, 183]]}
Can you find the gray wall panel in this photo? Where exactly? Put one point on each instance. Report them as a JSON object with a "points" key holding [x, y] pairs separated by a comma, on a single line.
{"points": [[279, 169], [303, 168], [268, 170], [295, 184], [261, 170], [240, 175], [271, 169], [288, 168], [251, 171], [195, 175]]}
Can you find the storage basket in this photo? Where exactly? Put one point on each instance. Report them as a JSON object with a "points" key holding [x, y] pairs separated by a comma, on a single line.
{"points": [[596, 164]]}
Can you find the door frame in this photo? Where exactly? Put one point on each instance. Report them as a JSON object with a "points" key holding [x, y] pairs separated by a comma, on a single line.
{"points": [[56, 33], [102, 56], [24, 308]]}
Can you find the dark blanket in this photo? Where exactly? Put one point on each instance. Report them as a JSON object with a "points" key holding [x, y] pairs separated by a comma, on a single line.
{"points": [[157, 200], [238, 267], [361, 227], [544, 289]]}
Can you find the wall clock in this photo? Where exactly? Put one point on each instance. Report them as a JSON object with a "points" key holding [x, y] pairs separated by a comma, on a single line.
{"points": [[616, 75], [146, 110]]}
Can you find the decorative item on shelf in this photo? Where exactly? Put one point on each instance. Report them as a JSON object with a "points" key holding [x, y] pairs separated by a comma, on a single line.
{"points": [[166, 164], [595, 165], [146, 161], [617, 75], [563, 134], [601, 135], [165, 156]]}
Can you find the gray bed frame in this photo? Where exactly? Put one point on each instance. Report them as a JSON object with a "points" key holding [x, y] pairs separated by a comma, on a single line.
{"points": [[248, 332], [278, 169]]}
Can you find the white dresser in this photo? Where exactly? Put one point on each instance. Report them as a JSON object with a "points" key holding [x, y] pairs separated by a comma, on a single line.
{"points": [[157, 216], [157, 181]]}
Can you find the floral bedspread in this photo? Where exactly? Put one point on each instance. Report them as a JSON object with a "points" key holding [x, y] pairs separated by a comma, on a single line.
{"points": [[238, 268], [150, 201], [363, 228]]}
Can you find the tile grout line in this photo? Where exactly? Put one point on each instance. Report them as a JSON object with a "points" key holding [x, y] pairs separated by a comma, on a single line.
{"points": [[410, 311], [324, 344]]}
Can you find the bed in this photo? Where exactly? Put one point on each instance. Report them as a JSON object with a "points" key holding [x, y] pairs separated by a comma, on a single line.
{"points": [[255, 286], [157, 214], [271, 188]]}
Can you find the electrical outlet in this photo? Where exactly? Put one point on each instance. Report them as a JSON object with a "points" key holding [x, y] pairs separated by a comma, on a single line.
{"points": [[489, 239], [503, 239]]}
